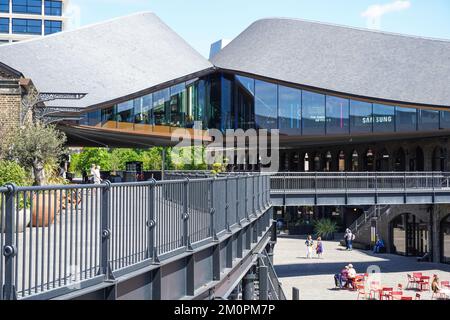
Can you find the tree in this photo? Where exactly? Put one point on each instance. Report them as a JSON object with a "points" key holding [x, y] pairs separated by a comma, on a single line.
{"points": [[90, 156], [34, 145], [152, 159]]}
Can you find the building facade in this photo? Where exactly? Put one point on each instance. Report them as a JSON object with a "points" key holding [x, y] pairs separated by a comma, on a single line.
{"points": [[343, 99], [26, 19]]}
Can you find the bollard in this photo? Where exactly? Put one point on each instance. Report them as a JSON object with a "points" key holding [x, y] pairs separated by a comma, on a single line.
{"points": [[295, 294]]}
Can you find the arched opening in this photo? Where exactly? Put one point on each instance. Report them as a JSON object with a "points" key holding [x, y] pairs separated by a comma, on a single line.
{"points": [[400, 160], [409, 235], [382, 162], [445, 240], [328, 161], [369, 159], [306, 163], [341, 161], [439, 159], [417, 163], [294, 163]]}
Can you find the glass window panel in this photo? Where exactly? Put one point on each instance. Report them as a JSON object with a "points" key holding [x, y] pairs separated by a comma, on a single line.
{"points": [[28, 26], [4, 5], [125, 111], [94, 118], [337, 111], [313, 111], [226, 95], [360, 117], [406, 119], [4, 25], [178, 105], [445, 120], [27, 6], [53, 8], [245, 104], [289, 110], [383, 118], [161, 101], [266, 109], [428, 119], [52, 26]]}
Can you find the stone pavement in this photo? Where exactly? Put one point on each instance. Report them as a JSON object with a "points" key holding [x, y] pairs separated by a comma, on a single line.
{"points": [[315, 277]]}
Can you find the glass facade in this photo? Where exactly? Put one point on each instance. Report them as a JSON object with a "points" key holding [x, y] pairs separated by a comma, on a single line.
{"points": [[224, 101], [28, 26], [52, 26], [4, 5], [406, 119], [337, 112], [4, 25], [383, 118], [27, 6], [266, 105], [53, 8], [313, 113], [289, 110], [361, 119]]}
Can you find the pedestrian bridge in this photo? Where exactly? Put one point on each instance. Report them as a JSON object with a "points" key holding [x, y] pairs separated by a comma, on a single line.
{"points": [[176, 239], [359, 188]]}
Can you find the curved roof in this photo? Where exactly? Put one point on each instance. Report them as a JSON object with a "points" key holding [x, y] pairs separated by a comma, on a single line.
{"points": [[107, 61], [346, 60]]}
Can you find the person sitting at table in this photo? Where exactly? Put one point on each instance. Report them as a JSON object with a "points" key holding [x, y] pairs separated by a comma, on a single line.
{"points": [[351, 276], [341, 278]]}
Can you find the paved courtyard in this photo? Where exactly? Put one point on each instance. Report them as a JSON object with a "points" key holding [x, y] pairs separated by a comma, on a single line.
{"points": [[314, 277]]}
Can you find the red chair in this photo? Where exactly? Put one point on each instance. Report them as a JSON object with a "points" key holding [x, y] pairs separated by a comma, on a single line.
{"points": [[406, 298], [424, 283], [445, 284], [386, 293], [396, 295], [375, 289], [417, 276], [412, 283], [361, 291]]}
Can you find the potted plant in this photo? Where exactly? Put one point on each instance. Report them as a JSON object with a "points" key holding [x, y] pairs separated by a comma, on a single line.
{"points": [[325, 228]]}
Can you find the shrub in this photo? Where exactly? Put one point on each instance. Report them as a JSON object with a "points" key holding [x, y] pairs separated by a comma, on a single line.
{"points": [[325, 228], [11, 172]]}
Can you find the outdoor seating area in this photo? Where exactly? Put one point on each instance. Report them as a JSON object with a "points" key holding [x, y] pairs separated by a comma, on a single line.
{"points": [[369, 288]]}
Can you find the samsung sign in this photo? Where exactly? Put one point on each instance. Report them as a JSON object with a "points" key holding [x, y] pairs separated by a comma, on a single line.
{"points": [[383, 119]]}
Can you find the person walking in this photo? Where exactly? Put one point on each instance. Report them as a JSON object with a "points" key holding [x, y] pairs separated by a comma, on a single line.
{"points": [[349, 237], [319, 247], [97, 176], [309, 247], [92, 173]]}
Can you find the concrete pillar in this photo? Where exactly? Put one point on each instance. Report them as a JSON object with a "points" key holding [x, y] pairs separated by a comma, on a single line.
{"points": [[435, 229]]}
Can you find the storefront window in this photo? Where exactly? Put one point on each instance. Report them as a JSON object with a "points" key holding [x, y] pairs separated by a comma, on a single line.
{"points": [[406, 119], [245, 104], [361, 119], [383, 118], [428, 119], [337, 111], [289, 110], [178, 105], [313, 111], [161, 101], [445, 120], [266, 108]]}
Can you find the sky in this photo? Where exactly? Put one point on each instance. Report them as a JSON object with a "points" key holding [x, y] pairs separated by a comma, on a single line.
{"points": [[202, 22]]}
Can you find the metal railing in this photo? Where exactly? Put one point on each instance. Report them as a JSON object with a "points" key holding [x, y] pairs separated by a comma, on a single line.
{"points": [[359, 181], [56, 237], [373, 212], [274, 287]]}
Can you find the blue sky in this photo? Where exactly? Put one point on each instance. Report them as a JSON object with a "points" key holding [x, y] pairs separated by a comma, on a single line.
{"points": [[202, 22]]}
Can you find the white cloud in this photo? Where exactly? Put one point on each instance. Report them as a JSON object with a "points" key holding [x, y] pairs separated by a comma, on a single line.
{"points": [[375, 12]]}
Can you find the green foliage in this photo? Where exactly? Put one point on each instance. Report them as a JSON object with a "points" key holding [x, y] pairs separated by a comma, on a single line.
{"points": [[325, 227], [188, 158], [36, 144], [89, 156], [151, 159], [120, 156], [12, 172]]}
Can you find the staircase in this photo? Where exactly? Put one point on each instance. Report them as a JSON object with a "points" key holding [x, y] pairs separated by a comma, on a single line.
{"points": [[275, 291], [362, 224]]}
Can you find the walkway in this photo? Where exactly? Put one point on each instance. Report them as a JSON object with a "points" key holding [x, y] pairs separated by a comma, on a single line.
{"points": [[314, 277]]}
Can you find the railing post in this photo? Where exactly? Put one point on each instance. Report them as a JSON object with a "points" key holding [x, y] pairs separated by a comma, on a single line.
{"points": [[227, 205], [151, 223], [263, 283], [9, 249], [238, 219], [105, 266], [186, 240], [247, 215], [212, 211], [295, 294]]}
